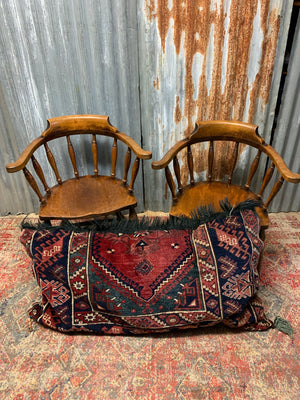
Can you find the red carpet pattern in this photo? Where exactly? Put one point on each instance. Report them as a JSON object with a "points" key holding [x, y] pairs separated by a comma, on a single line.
{"points": [[148, 281], [212, 363]]}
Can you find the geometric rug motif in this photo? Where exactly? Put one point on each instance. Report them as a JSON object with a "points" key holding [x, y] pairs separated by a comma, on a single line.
{"points": [[148, 281], [212, 363]]}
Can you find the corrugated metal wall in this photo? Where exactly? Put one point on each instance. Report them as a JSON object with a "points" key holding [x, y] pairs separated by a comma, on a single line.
{"points": [[207, 60], [287, 133], [60, 58], [155, 67]]}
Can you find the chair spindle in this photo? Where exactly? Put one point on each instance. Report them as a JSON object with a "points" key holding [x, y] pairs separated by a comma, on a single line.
{"points": [[177, 173], [267, 179], [114, 154], [274, 191], [253, 169], [190, 164], [210, 160], [52, 162], [40, 174], [30, 179], [95, 154], [72, 156], [134, 172], [234, 160], [126, 165], [171, 183]]}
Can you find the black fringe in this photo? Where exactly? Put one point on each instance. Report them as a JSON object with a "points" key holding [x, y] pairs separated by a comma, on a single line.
{"points": [[200, 216]]}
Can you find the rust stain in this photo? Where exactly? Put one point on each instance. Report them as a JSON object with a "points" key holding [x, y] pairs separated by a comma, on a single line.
{"points": [[150, 9], [194, 20], [178, 114], [263, 80], [156, 83], [240, 33]]}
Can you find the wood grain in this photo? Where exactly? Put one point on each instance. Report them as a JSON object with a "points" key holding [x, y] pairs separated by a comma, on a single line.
{"points": [[83, 196], [198, 194]]}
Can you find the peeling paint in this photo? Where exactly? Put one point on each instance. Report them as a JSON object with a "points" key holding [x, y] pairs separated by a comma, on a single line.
{"points": [[224, 36], [229, 52]]}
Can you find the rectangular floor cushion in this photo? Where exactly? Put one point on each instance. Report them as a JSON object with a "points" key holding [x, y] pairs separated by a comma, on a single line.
{"points": [[138, 277]]}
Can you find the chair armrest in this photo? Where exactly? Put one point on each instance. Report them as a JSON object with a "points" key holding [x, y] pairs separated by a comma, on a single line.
{"points": [[168, 157], [36, 143], [138, 151], [281, 166], [25, 156]]}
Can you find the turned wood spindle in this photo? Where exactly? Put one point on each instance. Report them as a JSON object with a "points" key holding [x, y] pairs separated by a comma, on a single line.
{"points": [[210, 160], [52, 162], [253, 169], [274, 191], [267, 179], [126, 165], [30, 179], [234, 160], [170, 182], [95, 154], [114, 154], [177, 173], [190, 164], [40, 174], [134, 172], [72, 156]]}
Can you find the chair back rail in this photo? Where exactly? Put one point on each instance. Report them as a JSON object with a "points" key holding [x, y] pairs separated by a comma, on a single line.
{"points": [[225, 131], [67, 126]]}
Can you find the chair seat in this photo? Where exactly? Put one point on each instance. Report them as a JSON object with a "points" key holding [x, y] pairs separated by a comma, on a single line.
{"points": [[86, 197], [211, 193]]}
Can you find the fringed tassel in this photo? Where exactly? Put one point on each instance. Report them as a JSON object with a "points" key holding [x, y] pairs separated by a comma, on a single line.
{"points": [[200, 216], [284, 326]]}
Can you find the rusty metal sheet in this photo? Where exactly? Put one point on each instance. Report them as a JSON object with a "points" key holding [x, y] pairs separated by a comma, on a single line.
{"points": [[206, 60], [287, 133], [154, 66]]}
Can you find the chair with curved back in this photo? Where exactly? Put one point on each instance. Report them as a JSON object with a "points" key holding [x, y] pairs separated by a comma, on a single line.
{"points": [[89, 196], [186, 198]]}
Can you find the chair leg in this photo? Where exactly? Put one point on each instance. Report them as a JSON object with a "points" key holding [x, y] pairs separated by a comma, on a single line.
{"points": [[46, 221], [132, 213], [262, 233], [120, 216]]}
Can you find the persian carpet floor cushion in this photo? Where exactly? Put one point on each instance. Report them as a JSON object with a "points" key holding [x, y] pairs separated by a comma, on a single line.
{"points": [[137, 277]]}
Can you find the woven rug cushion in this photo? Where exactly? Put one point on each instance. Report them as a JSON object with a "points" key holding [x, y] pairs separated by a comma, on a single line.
{"points": [[149, 280]]}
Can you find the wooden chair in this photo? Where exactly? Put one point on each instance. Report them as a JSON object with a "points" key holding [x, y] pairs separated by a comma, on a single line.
{"points": [[89, 196], [188, 197]]}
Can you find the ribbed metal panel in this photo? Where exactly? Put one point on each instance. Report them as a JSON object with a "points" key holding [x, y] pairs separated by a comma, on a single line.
{"points": [[155, 67], [206, 60], [287, 134], [61, 58]]}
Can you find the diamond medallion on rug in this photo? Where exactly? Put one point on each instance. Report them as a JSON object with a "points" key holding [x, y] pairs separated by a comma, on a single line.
{"points": [[139, 272], [149, 280]]}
